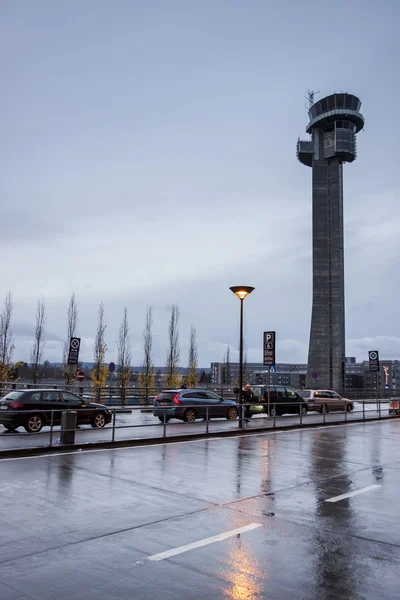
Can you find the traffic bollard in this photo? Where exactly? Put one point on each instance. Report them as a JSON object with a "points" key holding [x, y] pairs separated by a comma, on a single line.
{"points": [[68, 426]]}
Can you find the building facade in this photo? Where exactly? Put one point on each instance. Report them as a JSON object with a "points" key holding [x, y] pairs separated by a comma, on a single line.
{"points": [[334, 122]]}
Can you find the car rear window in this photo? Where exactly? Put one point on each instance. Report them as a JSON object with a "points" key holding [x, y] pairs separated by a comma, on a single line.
{"points": [[305, 393], [13, 396], [166, 396]]}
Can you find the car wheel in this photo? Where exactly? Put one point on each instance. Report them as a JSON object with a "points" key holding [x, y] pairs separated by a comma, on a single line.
{"points": [[98, 420], [349, 407], [10, 428], [162, 419], [232, 413], [34, 423], [324, 409], [303, 410], [190, 415]]}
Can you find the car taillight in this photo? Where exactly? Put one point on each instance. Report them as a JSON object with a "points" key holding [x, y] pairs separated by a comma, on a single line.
{"points": [[154, 401], [176, 399], [16, 404]]}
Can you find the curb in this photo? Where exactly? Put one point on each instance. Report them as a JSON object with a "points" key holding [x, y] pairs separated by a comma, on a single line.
{"points": [[131, 443]]}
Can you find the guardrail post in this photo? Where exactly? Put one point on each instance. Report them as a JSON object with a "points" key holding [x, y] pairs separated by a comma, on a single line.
{"points": [[274, 417], [207, 419], [51, 428], [345, 411], [113, 426], [165, 423], [323, 415], [380, 412], [363, 410], [301, 414]]}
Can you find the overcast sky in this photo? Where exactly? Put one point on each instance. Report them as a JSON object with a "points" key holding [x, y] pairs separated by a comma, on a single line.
{"points": [[148, 157]]}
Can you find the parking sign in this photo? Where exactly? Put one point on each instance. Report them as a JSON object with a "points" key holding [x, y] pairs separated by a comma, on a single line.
{"points": [[269, 348]]}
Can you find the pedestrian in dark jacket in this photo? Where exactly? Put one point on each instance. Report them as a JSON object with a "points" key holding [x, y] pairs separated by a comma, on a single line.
{"points": [[248, 397]]}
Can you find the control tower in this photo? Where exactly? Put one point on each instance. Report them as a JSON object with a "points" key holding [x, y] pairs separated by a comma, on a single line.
{"points": [[334, 122]]}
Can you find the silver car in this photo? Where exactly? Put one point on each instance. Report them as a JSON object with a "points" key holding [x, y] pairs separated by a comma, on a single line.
{"points": [[325, 401]]}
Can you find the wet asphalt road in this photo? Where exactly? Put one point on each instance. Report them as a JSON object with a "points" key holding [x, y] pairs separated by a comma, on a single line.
{"points": [[88, 525], [138, 425]]}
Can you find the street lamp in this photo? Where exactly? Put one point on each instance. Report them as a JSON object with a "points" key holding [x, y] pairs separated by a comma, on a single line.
{"points": [[241, 291]]}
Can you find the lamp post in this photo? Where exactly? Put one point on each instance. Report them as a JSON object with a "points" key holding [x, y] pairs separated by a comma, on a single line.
{"points": [[241, 291]]}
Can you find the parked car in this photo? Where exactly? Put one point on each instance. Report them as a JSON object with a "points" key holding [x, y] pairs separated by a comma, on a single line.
{"points": [[14, 405], [283, 400], [191, 404], [326, 400], [394, 407]]}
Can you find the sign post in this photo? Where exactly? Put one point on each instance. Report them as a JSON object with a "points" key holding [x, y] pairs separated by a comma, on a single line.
{"points": [[373, 357], [269, 360], [73, 354]]}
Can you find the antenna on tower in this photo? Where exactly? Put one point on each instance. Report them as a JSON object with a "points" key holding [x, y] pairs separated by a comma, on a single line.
{"points": [[310, 97]]}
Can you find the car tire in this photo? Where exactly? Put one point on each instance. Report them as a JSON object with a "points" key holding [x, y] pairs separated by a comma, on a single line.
{"points": [[232, 413], [303, 410], [349, 407], [98, 420], [324, 409], [10, 428], [162, 419], [34, 423], [190, 415]]}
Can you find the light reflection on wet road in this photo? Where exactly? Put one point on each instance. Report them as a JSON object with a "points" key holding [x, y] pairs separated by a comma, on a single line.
{"points": [[82, 526]]}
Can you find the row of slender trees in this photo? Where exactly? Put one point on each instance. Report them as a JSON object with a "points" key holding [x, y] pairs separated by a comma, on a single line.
{"points": [[98, 375]]}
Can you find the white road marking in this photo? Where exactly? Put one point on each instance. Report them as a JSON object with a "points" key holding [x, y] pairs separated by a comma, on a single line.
{"points": [[81, 452], [355, 493], [201, 543]]}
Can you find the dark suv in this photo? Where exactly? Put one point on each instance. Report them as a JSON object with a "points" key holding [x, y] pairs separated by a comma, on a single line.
{"points": [[32, 409], [191, 404], [283, 400]]}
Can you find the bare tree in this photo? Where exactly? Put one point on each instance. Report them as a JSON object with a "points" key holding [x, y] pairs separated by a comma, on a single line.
{"points": [[172, 377], [39, 341], [72, 322], [6, 341], [245, 371], [98, 375], [192, 377], [227, 366], [124, 355], [147, 375]]}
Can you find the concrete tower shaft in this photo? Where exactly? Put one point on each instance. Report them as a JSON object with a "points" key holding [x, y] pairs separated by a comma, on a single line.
{"points": [[334, 122]]}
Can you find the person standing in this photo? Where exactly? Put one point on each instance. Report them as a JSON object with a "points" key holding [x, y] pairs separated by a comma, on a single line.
{"points": [[248, 397]]}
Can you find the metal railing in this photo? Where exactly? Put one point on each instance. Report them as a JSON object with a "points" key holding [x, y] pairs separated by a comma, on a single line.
{"points": [[114, 395], [116, 432]]}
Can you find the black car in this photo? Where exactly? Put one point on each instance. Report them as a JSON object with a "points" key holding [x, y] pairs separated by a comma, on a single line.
{"points": [[191, 404], [41, 404], [283, 400]]}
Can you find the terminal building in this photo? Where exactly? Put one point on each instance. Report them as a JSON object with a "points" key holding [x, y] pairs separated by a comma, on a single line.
{"points": [[357, 376]]}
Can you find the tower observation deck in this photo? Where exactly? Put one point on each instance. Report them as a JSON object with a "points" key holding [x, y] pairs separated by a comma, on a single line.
{"points": [[334, 122]]}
